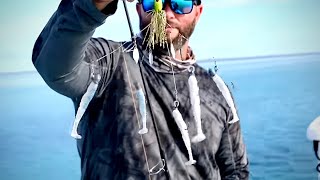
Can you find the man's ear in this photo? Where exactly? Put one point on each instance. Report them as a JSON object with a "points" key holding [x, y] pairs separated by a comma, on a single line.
{"points": [[199, 11], [138, 8]]}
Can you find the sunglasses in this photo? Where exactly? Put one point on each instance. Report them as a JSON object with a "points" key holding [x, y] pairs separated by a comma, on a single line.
{"points": [[177, 6]]}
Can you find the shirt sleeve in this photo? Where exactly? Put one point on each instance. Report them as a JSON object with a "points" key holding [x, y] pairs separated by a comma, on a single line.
{"points": [[232, 155], [64, 49]]}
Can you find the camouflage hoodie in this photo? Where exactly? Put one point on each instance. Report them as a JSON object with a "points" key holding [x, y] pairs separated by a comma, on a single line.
{"points": [[65, 54]]}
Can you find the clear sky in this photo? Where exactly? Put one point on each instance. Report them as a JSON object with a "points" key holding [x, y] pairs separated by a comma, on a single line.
{"points": [[227, 28]]}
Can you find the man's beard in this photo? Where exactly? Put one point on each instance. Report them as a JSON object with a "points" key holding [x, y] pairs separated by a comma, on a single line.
{"points": [[177, 42]]}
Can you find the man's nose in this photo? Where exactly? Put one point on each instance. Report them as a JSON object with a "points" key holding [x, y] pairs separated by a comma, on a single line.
{"points": [[169, 13]]}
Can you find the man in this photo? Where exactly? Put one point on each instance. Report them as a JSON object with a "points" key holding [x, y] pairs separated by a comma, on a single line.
{"points": [[144, 121]]}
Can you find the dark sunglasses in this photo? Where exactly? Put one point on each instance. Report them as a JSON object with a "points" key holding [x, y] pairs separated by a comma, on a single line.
{"points": [[177, 6]]}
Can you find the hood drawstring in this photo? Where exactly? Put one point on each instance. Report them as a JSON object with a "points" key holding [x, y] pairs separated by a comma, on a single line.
{"points": [[150, 58]]}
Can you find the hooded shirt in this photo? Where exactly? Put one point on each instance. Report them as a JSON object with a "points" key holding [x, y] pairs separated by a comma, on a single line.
{"points": [[66, 55]]}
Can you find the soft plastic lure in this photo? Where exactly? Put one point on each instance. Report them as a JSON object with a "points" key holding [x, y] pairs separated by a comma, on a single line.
{"points": [[143, 112], [195, 105], [136, 55], [185, 134], [85, 100], [227, 95]]}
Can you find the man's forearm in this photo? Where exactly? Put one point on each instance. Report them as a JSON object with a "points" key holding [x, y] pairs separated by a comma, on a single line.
{"points": [[232, 154], [59, 51]]}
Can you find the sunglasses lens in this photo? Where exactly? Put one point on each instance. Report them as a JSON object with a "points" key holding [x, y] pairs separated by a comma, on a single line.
{"points": [[181, 6], [178, 6]]}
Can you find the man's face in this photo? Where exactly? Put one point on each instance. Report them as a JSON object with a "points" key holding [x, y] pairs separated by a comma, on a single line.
{"points": [[179, 26]]}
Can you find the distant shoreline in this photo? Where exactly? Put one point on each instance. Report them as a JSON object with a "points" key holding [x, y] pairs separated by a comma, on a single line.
{"points": [[247, 58], [259, 57], [18, 73]]}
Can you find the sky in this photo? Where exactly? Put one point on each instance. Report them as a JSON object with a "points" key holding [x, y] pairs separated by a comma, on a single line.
{"points": [[227, 28]]}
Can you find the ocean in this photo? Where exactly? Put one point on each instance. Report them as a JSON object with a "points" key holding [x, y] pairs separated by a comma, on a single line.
{"points": [[277, 98]]}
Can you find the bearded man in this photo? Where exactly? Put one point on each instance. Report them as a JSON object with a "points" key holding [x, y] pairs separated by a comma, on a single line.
{"points": [[146, 113]]}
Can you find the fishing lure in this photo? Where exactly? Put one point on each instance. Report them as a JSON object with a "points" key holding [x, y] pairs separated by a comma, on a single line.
{"points": [[136, 55], [195, 106], [85, 100], [157, 27], [227, 95], [184, 132], [142, 109]]}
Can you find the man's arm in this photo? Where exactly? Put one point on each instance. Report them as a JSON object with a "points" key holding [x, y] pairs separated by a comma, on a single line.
{"points": [[232, 155], [64, 49]]}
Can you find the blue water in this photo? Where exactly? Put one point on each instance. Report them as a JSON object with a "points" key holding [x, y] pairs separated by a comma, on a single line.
{"points": [[277, 99]]}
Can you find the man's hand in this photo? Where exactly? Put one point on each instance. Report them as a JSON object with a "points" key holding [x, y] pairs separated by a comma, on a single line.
{"points": [[101, 4]]}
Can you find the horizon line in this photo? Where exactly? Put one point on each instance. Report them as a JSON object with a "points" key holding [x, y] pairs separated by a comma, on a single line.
{"points": [[259, 57], [209, 60]]}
